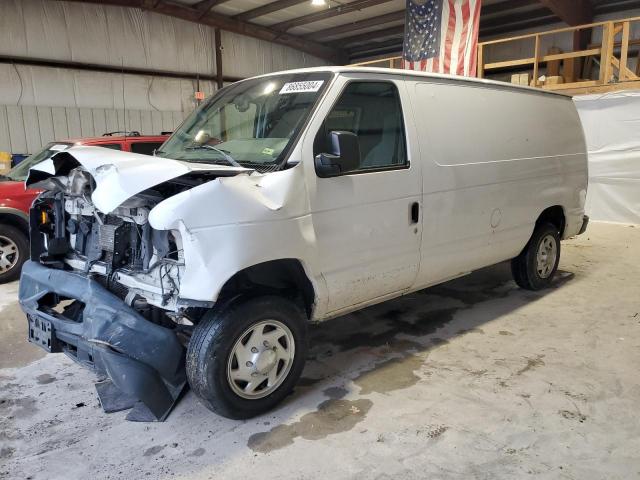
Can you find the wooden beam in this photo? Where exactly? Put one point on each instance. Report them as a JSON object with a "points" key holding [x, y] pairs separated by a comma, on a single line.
{"points": [[624, 73], [536, 55], [607, 53], [267, 9], [572, 12], [376, 60], [569, 86], [359, 25], [584, 88], [480, 62], [327, 13], [229, 24], [624, 51], [543, 59]]}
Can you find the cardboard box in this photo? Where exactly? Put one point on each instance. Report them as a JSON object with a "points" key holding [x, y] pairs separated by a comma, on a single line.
{"points": [[525, 79], [554, 80], [520, 78]]}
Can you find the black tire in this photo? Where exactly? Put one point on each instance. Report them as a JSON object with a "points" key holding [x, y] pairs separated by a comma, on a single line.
{"points": [[212, 344], [524, 266], [9, 233]]}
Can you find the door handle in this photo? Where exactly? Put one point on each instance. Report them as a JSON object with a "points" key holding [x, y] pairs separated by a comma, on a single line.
{"points": [[415, 212]]}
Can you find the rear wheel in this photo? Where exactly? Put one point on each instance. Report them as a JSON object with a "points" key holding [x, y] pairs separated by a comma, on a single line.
{"points": [[244, 359], [14, 249], [536, 266]]}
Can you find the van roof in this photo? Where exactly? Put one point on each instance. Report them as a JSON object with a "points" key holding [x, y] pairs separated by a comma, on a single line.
{"points": [[413, 73]]}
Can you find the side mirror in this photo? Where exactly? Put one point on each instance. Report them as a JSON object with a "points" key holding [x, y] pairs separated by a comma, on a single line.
{"points": [[344, 155]]}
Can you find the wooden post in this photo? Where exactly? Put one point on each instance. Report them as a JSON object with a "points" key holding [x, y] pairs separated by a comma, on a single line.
{"points": [[536, 56], [218, 44], [480, 61], [624, 52], [607, 52]]}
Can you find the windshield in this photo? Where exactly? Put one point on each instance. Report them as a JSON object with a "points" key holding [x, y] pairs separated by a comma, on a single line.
{"points": [[19, 172], [252, 123]]}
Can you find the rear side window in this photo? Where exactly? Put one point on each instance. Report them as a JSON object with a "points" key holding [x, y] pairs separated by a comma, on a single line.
{"points": [[372, 111], [145, 148], [112, 146]]}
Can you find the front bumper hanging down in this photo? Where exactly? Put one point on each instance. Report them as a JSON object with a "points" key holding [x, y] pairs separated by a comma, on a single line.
{"points": [[143, 362]]}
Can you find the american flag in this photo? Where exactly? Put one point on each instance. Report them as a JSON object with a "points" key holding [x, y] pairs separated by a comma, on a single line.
{"points": [[441, 36]]}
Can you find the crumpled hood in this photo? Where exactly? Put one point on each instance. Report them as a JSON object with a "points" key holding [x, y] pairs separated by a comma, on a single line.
{"points": [[119, 175]]}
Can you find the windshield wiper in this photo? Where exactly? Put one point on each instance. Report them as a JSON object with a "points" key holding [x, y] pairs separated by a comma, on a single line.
{"points": [[224, 154]]}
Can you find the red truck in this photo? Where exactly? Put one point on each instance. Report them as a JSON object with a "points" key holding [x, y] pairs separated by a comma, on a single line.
{"points": [[15, 200]]}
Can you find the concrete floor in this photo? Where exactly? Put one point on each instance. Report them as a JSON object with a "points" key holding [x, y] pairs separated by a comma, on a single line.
{"points": [[471, 379]]}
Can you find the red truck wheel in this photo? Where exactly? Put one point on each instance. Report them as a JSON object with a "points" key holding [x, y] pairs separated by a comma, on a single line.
{"points": [[14, 251]]}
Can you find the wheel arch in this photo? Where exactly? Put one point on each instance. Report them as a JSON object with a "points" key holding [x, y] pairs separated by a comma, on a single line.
{"points": [[282, 276], [554, 215], [15, 218]]}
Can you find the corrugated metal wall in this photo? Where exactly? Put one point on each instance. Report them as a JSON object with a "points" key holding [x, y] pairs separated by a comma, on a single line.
{"points": [[26, 128], [41, 104]]}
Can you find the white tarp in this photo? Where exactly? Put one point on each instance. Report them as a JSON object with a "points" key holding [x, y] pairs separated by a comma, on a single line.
{"points": [[611, 125]]}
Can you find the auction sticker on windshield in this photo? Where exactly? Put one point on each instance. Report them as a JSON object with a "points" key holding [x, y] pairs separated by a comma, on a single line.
{"points": [[301, 87]]}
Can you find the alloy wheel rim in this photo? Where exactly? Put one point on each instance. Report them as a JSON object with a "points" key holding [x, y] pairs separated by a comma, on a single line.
{"points": [[260, 359], [546, 256], [9, 254]]}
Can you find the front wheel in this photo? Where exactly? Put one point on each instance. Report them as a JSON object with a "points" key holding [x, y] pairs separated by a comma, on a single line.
{"points": [[536, 266], [246, 358]]}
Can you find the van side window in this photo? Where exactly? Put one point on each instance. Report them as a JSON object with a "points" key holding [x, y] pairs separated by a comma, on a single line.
{"points": [[372, 111]]}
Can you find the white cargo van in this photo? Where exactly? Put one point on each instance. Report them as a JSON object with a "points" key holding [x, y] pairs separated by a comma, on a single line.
{"points": [[286, 199]]}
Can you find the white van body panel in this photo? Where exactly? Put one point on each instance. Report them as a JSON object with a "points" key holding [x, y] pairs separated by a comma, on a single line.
{"points": [[493, 160], [485, 160], [258, 218]]}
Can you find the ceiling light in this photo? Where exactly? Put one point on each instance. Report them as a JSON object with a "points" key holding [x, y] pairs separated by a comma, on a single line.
{"points": [[318, 3]]}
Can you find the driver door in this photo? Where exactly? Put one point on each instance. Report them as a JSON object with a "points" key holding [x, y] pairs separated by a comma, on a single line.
{"points": [[367, 221]]}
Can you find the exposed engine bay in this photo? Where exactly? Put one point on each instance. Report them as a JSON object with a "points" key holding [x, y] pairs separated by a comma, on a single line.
{"points": [[120, 250]]}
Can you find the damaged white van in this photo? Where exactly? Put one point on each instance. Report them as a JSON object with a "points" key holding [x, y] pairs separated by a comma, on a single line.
{"points": [[286, 199]]}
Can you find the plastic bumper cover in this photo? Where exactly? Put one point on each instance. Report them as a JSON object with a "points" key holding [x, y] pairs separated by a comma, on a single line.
{"points": [[585, 222], [144, 361]]}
